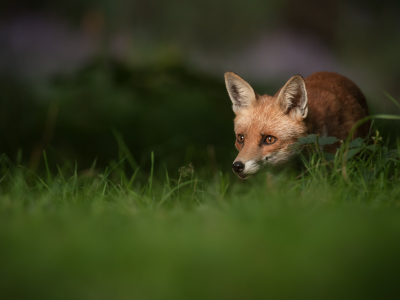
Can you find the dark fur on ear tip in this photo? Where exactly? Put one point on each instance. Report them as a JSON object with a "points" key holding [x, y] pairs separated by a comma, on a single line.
{"points": [[240, 92]]}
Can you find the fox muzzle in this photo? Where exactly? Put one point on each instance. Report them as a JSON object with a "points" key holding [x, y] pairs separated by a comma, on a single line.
{"points": [[238, 167]]}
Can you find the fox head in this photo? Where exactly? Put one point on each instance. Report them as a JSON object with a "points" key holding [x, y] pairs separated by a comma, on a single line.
{"points": [[266, 127]]}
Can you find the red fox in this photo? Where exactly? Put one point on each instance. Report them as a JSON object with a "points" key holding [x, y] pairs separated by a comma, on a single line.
{"points": [[266, 127]]}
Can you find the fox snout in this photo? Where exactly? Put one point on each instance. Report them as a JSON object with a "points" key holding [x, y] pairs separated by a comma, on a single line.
{"points": [[238, 167], [246, 169]]}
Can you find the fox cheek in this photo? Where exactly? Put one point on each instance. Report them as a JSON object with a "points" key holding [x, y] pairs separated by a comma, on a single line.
{"points": [[238, 146]]}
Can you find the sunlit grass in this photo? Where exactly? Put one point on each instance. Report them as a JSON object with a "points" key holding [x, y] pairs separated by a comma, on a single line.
{"points": [[330, 231]]}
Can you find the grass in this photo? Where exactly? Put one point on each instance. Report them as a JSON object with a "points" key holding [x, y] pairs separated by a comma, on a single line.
{"points": [[330, 232]]}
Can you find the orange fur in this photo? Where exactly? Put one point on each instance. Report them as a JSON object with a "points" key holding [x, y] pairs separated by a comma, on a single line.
{"points": [[325, 103]]}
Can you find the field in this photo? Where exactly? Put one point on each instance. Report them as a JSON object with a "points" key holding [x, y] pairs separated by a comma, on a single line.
{"points": [[117, 142], [123, 232]]}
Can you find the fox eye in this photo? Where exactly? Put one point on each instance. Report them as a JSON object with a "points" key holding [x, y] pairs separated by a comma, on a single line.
{"points": [[240, 138], [269, 140]]}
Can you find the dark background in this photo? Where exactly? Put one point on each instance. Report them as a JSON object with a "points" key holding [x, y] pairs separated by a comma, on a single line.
{"points": [[77, 75]]}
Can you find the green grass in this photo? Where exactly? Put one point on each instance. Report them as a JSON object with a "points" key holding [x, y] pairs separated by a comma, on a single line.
{"points": [[331, 231]]}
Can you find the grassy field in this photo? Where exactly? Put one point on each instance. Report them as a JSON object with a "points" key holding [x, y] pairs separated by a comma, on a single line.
{"points": [[331, 231]]}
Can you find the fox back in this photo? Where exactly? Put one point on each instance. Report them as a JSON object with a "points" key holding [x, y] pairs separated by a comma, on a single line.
{"points": [[266, 127]]}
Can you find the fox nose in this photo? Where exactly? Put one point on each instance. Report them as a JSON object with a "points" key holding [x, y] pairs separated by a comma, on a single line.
{"points": [[238, 166]]}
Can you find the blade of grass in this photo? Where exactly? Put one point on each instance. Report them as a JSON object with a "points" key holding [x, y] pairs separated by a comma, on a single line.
{"points": [[40, 179], [76, 180], [167, 177], [173, 190], [61, 174], [107, 173], [5, 175], [393, 100], [150, 183], [47, 167], [133, 178], [125, 149], [91, 171], [104, 190]]}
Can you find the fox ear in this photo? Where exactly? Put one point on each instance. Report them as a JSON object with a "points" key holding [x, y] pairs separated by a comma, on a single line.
{"points": [[240, 92], [293, 97]]}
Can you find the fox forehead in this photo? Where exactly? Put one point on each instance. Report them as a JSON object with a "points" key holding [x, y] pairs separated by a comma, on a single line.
{"points": [[268, 119]]}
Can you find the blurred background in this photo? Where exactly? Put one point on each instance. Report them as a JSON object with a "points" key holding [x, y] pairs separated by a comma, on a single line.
{"points": [[79, 77]]}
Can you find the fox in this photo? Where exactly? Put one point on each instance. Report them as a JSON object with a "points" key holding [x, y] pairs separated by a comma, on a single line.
{"points": [[268, 127]]}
